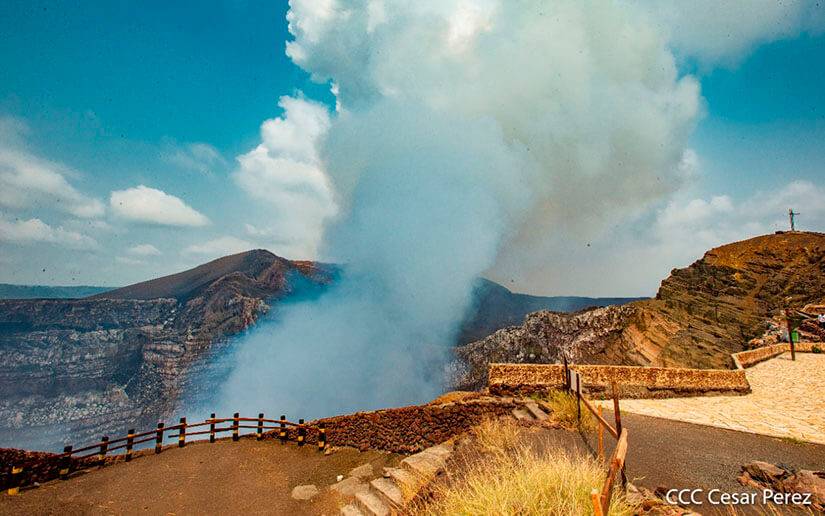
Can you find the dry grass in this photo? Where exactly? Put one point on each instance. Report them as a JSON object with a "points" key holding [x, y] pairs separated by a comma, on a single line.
{"points": [[564, 411], [525, 484], [496, 436], [507, 478]]}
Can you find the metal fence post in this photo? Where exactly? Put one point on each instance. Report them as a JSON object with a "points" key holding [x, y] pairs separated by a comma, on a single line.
{"points": [[235, 426], [212, 428], [260, 426], [282, 431]]}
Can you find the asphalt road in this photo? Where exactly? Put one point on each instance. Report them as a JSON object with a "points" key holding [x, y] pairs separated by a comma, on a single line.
{"points": [[672, 454]]}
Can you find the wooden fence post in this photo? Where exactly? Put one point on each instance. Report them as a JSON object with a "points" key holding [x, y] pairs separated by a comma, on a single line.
{"points": [[578, 400], [322, 437], [66, 463], [616, 412], [260, 426], [212, 428], [130, 442], [566, 374], [15, 479], [302, 432], [618, 415], [601, 435], [235, 428], [182, 433], [159, 438], [282, 432], [596, 500], [104, 447]]}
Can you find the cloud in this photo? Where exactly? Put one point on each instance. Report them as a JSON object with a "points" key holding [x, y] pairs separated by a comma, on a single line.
{"points": [[676, 234], [198, 156], [144, 250], [284, 172], [28, 181], [34, 230], [221, 246], [129, 261], [724, 32], [144, 204]]}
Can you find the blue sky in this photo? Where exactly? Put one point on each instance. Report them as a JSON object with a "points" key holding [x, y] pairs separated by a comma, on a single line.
{"points": [[114, 95]]}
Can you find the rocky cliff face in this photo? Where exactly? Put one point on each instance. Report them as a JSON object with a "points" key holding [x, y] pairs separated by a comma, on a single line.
{"points": [[701, 314], [71, 370]]}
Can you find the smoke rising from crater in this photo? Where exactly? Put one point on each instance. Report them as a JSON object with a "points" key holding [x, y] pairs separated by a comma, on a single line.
{"points": [[466, 133]]}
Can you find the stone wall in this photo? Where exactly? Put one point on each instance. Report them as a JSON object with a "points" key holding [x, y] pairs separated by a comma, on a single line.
{"points": [[406, 429], [745, 359], [632, 381]]}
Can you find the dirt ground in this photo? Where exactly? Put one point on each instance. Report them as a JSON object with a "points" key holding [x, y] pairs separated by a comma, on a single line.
{"points": [[245, 477]]}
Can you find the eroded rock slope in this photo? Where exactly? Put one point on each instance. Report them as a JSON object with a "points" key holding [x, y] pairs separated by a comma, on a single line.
{"points": [[700, 315]]}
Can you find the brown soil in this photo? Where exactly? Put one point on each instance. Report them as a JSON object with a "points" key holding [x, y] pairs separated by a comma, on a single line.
{"points": [[246, 477]]}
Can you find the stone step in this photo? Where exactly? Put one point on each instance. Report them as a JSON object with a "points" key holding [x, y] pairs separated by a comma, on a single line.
{"points": [[407, 482], [351, 510], [536, 411], [388, 491], [442, 450], [425, 465], [369, 503], [522, 415]]}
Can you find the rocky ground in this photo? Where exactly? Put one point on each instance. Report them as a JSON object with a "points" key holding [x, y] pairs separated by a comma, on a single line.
{"points": [[701, 313]]}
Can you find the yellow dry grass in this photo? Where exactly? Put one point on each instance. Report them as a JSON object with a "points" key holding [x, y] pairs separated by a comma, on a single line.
{"points": [[496, 436], [564, 409], [508, 479], [525, 484]]}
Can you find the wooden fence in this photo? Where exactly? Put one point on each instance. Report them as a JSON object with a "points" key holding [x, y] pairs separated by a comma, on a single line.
{"points": [[601, 497], [75, 459]]}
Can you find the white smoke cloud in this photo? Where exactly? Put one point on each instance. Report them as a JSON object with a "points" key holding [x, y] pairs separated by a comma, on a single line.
{"points": [[717, 32], [284, 172], [467, 132]]}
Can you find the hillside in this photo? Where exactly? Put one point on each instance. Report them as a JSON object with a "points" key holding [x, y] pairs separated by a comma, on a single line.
{"points": [[497, 307], [9, 291], [700, 315], [81, 367]]}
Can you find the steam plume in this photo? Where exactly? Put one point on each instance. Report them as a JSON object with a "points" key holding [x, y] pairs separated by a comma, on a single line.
{"points": [[467, 131]]}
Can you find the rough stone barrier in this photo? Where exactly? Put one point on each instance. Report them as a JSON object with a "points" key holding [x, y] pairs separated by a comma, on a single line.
{"points": [[408, 429], [632, 381], [745, 359]]}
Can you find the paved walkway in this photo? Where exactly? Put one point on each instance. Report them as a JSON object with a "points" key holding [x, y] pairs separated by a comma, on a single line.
{"points": [[247, 477], [788, 400]]}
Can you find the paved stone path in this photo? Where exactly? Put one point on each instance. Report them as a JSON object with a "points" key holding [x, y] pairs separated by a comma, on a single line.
{"points": [[788, 400]]}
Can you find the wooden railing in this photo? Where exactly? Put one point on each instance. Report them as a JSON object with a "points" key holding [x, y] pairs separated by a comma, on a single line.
{"points": [[75, 459], [601, 497]]}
